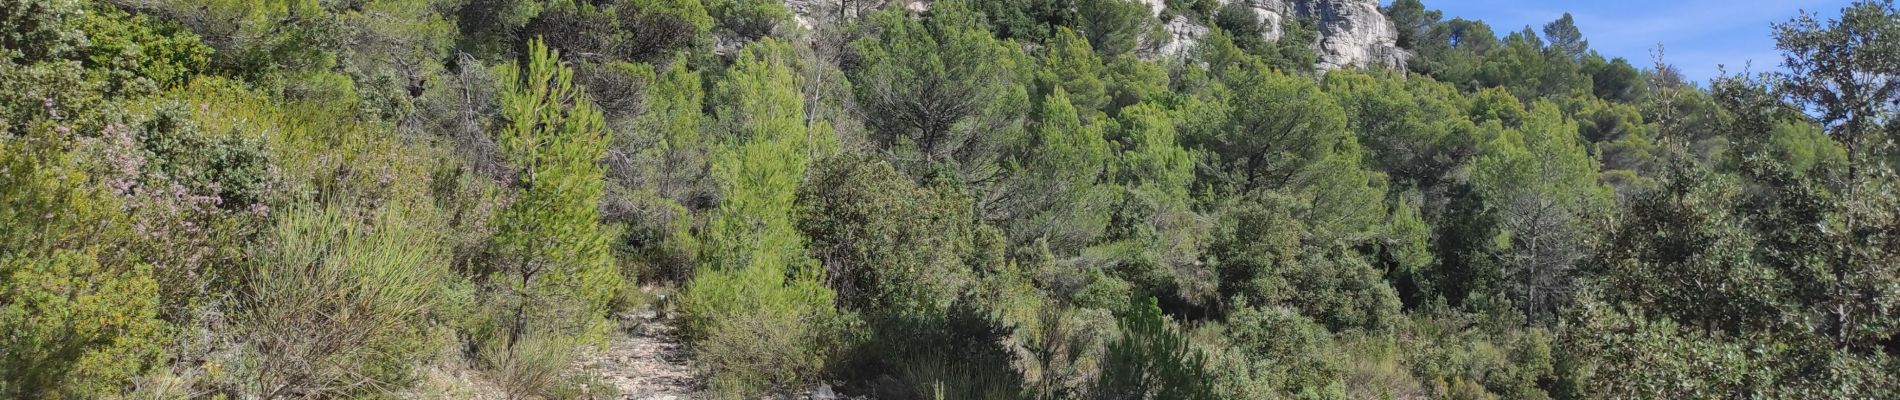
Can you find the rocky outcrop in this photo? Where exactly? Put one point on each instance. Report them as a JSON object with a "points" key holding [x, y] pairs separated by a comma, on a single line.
{"points": [[1352, 33], [1183, 33]]}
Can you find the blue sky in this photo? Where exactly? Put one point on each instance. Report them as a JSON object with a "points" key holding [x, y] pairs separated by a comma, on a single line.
{"points": [[1697, 35]]}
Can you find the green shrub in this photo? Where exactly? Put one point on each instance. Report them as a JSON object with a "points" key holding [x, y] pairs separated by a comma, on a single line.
{"points": [[78, 318], [73, 328], [340, 307], [622, 30], [755, 283], [748, 19], [1288, 352], [1152, 360], [759, 332], [1118, 27], [890, 246]]}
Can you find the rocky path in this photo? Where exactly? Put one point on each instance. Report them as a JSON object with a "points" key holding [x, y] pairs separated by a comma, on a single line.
{"points": [[647, 360]]}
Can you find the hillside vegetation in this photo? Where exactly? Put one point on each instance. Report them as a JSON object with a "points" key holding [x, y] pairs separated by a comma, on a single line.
{"points": [[978, 199]]}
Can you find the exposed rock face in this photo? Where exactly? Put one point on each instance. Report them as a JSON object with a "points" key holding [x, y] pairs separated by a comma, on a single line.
{"points": [[1352, 33], [1184, 34]]}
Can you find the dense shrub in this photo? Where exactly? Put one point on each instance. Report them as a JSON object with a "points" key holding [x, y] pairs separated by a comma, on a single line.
{"points": [[755, 285], [79, 316], [1152, 359], [341, 307]]}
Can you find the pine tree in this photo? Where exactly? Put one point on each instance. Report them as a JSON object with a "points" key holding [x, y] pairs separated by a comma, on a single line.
{"points": [[758, 305], [553, 263]]}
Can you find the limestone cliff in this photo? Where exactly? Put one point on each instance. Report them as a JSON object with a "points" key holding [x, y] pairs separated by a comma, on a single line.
{"points": [[1352, 33]]}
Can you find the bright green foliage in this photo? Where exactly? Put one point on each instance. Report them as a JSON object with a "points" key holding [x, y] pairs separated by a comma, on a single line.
{"points": [[1056, 194], [758, 303], [1152, 360], [79, 309], [78, 317], [1348, 200], [761, 331], [1541, 184], [1405, 249], [1071, 66], [554, 261], [1412, 128], [366, 198], [763, 150], [1131, 81], [74, 328], [1806, 148], [1151, 156], [138, 55]]}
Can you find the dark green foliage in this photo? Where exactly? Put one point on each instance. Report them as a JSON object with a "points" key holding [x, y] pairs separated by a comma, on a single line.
{"points": [[1026, 20], [748, 19], [1276, 127], [1682, 252], [1565, 40], [1241, 21], [230, 167], [1263, 255], [889, 246], [1152, 360], [1413, 20], [1118, 27], [1615, 79], [950, 199], [1288, 352], [941, 90], [633, 30]]}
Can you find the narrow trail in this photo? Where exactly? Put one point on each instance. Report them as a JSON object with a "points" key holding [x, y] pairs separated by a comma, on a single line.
{"points": [[647, 360]]}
